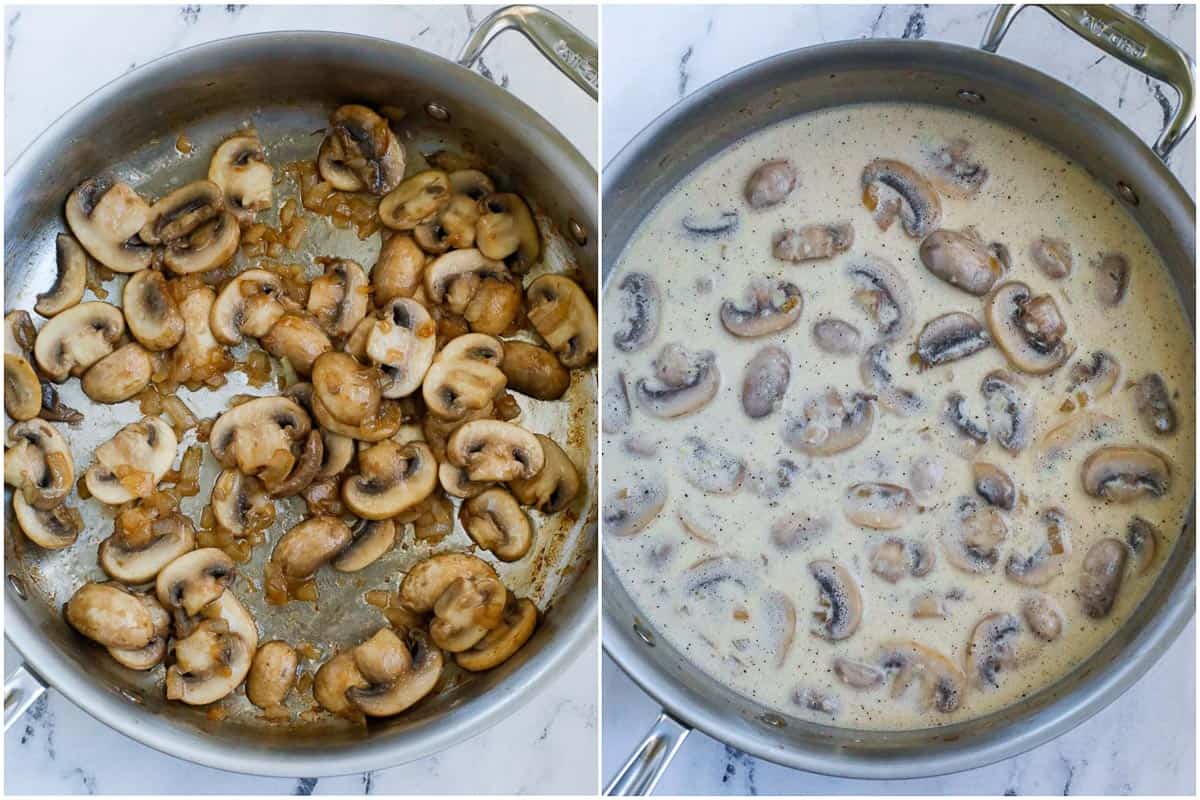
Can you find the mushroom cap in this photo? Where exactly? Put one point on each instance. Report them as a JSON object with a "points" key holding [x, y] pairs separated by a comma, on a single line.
{"points": [[340, 297], [534, 371], [210, 663], [402, 342], [372, 539], [181, 211], [272, 674], [256, 436], [194, 579], [1125, 473], [506, 230], [110, 615], [131, 464], [1112, 278], [398, 271], [38, 463], [247, 305], [70, 280], [53, 529], [106, 219], [1153, 402], [500, 643], [1101, 577], [994, 485], [564, 316], [239, 166], [453, 227], [554, 486], [150, 656], [840, 604], [1028, 329], [391, 478], [630, 508], [298, 338], [638, 303], [494, 521], [961, 260], [711, 467], [348, 390], [334, 678], [1043, 617], [882, 506], [363, 148], [417, 199], [301, 551], [856, 673], [240, 503], [207, 247], [1052, 256], [22, 386], [454, 388], [77, 338], [415, 666], [492, 450], [766, 380], [617, 412], [428, 579], [771, 183], [120, 375], [466, 611], [773, 306], [392, 415], [137, 557], [920, 208], [812, 242]]}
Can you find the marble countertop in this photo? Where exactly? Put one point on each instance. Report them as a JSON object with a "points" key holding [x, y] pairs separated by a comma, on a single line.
{"points": [[653, 57], [58, 749]]}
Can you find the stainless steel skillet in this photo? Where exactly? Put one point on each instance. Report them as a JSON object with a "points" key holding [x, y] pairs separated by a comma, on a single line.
{"points": [[286, 84], [790, 84]]}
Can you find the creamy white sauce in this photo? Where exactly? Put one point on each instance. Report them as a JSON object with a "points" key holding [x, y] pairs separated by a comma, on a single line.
{"points": [[737, 630]]}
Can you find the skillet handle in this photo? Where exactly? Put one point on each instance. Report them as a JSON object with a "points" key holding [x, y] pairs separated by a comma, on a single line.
{"points": [[640, 773], [562, 44], [21, 690], [1129, 39]]}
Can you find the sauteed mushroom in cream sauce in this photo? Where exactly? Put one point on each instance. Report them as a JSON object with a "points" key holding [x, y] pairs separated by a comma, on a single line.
{"points": [[354, 403], [898, 429]]}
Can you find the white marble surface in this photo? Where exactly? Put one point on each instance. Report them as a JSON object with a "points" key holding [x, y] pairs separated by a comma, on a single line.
{"points": [[58, 749], [1144, 743]]}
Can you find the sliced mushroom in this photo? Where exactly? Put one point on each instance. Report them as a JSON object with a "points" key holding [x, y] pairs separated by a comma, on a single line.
{"points": [[360, 152], [392, 478], [495, 522], [55, 410], [884, 295], [307, 466], [399, 270], [1100, 580], [1043, 564], [239, 166], [53, 529], [402, 343], [210, 663], [506, 231], [954, 173], [22, 388], [1052, 256], [417, 199], [110, 615], [840, 605], [856, 673], [950, 337], [1010, 410], [1043, 617], [339, 297], [180, 212], [815, 700], [70, 280], [564, 316], [1153, 402], [766, 381], [928, 605], [893, 558], [348, 390], [710, 467], [1112, 278], [796, 530], [249, 305], [77, 338], [1028, 329], [832, 423], [258, 436], [1094, 376], [812, 242], [272, 674], [554, 486], [877, 375], [372, 539], [397, 672], [637, 303], [961, 259], [713, 222], [710, 575], [240, 503], [992, 649], [106, 219], [881, 506], [534, 371], [772, 306], [973, 535], [492, 450], [500, 643], [334, 678], [120, 375], [151, 312], [456, 389], [153, 653], [1078, 427], [1144, 541], [453, 227], [771, 183], [298, 338], [617, 412], [198, 358], [685, 382], [837, 337], [425, 583], [207, 247], [967, 434], [629, 508], [1123, 474], [994, 485], [194, 579], [301, 551], [38, 463], [131, 464], [143, 543], [943, 685], [474, 347], [911, 197]]}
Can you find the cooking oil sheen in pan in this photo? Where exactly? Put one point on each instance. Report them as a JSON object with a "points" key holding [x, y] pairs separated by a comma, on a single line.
{"points": [[724, 603]]}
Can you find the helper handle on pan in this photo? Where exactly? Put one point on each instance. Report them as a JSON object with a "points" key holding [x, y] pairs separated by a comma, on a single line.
{"points": [[559, 41], [649, 761], [21, 690], [1129, 39]]}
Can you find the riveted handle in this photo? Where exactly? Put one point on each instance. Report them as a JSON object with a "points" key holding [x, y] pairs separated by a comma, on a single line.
{"points": [[640, 773], [1129, 39], [21, 690], [562, 44]]}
